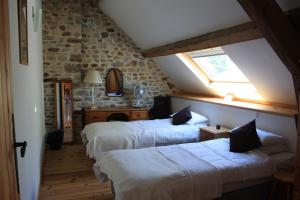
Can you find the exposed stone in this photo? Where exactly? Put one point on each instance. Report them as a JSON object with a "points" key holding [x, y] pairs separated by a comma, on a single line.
{"points": [[53, 50], [75, 58], [111, 30], [81, 37], [170, 85], [66, 34], [104, 34], [117, 64], [74, 40], [71, 68], [62, 27]]}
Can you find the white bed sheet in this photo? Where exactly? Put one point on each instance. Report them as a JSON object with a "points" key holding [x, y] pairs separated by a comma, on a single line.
{"points": [[180, 172], [106, 136]]}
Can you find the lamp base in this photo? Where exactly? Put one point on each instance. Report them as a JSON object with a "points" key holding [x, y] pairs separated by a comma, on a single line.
{"points": [[93, 107]]}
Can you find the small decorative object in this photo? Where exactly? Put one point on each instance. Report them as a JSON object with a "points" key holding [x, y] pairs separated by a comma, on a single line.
{"points": [[228, 97], [218, 127], [23, 37], [114, 83], [138, 94], [93, 77], [36, 18]]}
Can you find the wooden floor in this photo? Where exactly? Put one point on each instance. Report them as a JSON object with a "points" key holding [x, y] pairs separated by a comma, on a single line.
{"points": [[67, 174]]}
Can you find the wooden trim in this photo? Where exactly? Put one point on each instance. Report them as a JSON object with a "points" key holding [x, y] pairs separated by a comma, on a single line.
{"points": [[8, 183], [235, 34], [196, 67], [240, 33], [284, 110], [112, 109]]}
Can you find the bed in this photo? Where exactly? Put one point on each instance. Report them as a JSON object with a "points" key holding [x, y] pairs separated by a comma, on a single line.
{"points": [[191, 171], [106, 136]]}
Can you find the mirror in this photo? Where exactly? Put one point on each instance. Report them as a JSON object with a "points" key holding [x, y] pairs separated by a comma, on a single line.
{"points": [[114, 83]]}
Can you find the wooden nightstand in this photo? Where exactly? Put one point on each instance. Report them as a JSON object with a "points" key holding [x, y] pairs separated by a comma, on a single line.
{"points": [[210, 133]]}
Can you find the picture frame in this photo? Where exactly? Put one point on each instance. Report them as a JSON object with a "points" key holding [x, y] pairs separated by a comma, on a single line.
{"points": [[23, 32]]}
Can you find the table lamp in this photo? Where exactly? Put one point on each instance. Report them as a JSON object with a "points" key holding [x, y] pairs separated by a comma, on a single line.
{"points": [[93, 77]]}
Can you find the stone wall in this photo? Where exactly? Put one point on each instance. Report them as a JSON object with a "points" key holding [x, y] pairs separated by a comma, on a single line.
{"points": [[77, 37]]}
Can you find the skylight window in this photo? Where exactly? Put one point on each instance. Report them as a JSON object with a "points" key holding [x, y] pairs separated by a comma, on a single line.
{"points": [[218, 72], [218, 66]]}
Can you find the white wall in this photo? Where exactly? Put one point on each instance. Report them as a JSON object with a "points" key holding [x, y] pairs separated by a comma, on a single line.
{"points": [[28, 104], [263, 68], [233, 117]]}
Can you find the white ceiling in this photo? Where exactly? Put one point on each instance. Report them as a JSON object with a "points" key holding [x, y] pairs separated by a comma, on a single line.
{"points": [[151, 23], [157, 22]]}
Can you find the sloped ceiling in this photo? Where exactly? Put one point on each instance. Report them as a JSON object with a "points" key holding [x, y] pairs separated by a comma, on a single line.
{"points": [[156, 22]]}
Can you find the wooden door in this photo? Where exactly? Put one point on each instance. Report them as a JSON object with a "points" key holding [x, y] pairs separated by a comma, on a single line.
{"points": [[8, 183]]}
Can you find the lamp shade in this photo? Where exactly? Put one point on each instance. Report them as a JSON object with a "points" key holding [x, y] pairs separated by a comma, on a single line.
{"points": [[92, 76]]}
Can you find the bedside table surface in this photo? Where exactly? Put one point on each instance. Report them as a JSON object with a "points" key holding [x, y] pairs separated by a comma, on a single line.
{"points": [[284, 176], [212, 129]]}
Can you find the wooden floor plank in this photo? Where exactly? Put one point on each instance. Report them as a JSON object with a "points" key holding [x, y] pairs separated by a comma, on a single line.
{"points": [[68, 174]]}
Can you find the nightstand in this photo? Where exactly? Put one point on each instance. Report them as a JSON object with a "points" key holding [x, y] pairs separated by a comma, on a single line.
{"points": [[287, 179], [210, 133]]}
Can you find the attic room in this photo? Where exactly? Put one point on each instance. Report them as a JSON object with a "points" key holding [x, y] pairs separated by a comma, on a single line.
{"points": [[144, 100]]}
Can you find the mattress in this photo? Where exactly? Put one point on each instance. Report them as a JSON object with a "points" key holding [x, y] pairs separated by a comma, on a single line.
{"points": [[277, 158], [106, 136], [187, 171]]}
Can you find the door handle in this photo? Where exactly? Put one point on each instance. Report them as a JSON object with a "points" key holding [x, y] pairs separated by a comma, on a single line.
{"points": [[23, 146]]}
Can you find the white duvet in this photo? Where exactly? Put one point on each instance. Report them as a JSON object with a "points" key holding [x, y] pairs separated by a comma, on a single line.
{"points": [[106, 136], [180, 172]]}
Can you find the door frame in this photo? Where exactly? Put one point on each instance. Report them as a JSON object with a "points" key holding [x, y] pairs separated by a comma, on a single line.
{"points": [[8, 182]]}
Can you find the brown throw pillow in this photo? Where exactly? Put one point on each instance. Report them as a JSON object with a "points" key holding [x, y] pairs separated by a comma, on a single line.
{"points": [[182, 116], [244, 138]]}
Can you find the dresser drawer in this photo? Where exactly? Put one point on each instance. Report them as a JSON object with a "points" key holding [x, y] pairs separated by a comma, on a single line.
{"points": [[101, 114], [140, 114], [95, 117]]}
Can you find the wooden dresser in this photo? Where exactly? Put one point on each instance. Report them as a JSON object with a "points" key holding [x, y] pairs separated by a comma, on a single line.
{"points": [[101, 114]]}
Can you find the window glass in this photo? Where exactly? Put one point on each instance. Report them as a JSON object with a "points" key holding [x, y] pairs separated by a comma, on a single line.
{"points": [[217, 65]]}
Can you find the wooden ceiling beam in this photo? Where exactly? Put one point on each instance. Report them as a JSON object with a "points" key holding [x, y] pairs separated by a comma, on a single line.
{"points": [[235, 34], [240, 33], [282, 35]]}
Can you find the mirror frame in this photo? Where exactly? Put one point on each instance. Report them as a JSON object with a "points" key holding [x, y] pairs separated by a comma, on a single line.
{"points": [[120, 83]]}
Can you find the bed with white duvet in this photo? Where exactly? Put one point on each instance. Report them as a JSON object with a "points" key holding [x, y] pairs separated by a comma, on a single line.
{"points": [[106, 136], [183, 172]]}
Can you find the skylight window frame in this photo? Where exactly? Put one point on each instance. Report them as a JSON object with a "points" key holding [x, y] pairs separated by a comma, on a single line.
{"points": [[242, 90], [207, 74]]}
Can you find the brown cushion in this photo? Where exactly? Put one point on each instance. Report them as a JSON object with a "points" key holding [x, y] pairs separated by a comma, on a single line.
{"points": [[182, 116], [244, 138]]}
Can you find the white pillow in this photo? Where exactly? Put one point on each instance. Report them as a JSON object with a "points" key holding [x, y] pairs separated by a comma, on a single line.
{"points": [[274, 149], [197, 119], [268, 138]]}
